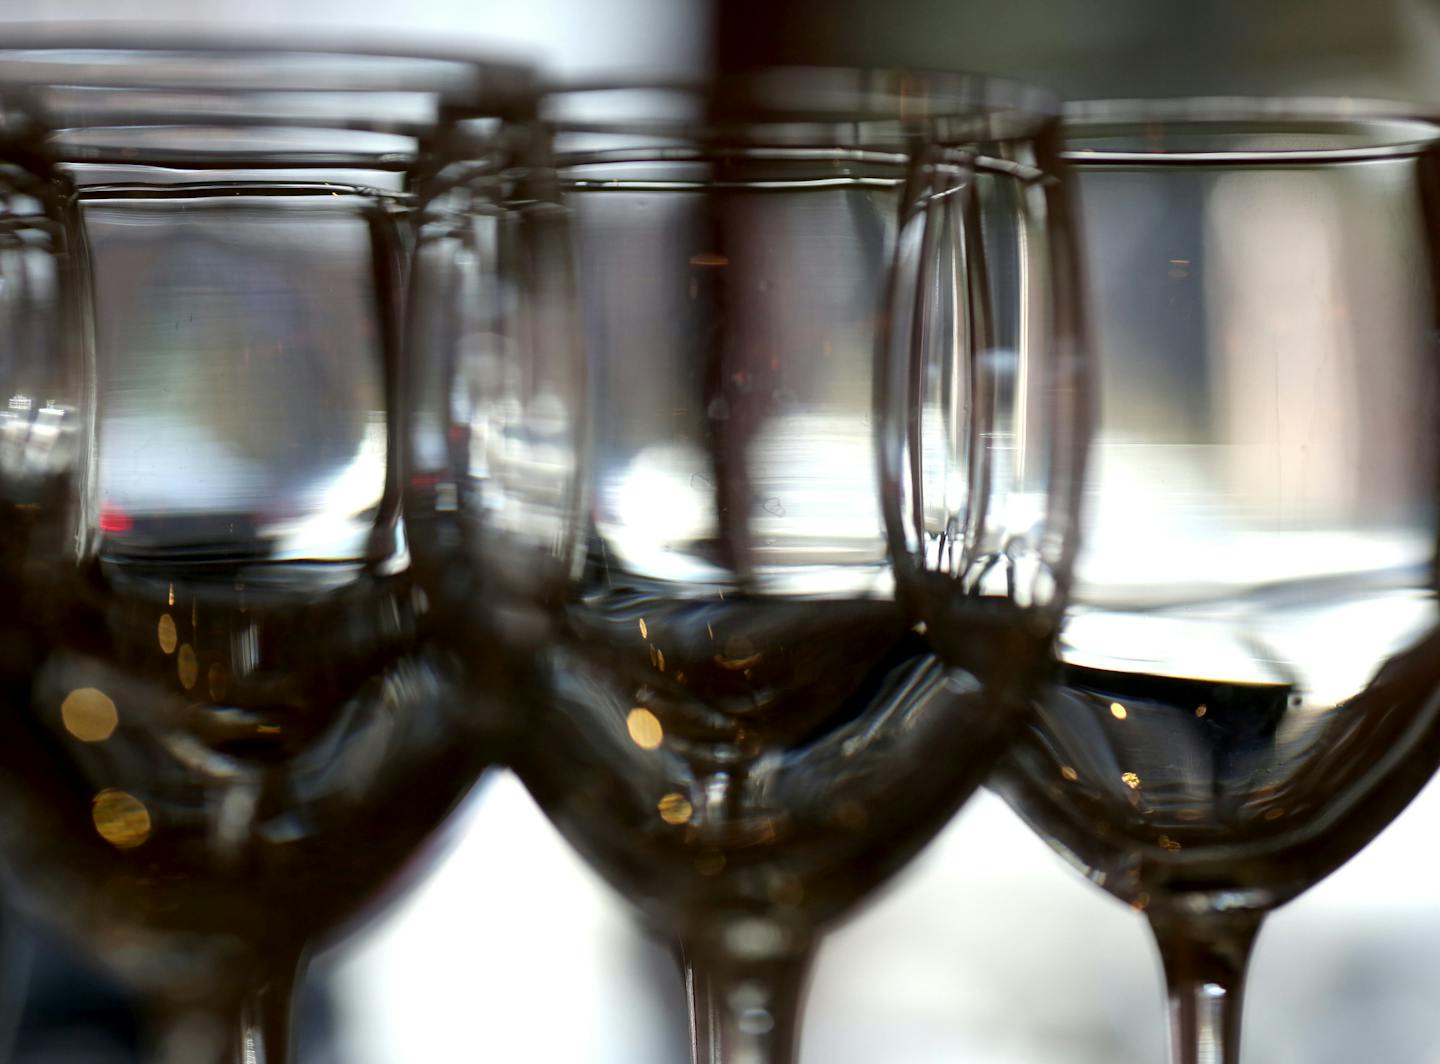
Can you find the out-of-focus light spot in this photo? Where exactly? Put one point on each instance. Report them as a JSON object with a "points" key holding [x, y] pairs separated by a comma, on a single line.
{"points": [[738, 648], [187, 667], [121, 819], [675, 809], [217, 679], [165, 632], [644, 630], [115, 520], [738, 664], [1167, 843], [1274, 814], [170, 599], [756, 1021], [1131, 780], [1200, 711], [753, 938], [1069, 773], [89, 714], [709, 258], [660, 660], [644, 728], [1118, 711]]}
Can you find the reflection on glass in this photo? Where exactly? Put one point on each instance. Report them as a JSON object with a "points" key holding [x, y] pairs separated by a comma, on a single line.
{"points": [[239, 413], [225, 731], [735, 722], [1251, 664]]}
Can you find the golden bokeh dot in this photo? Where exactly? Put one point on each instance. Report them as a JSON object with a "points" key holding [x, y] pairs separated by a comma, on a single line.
{"points": [[644, 728], [187, 666], [1274, 813], [1069, 773], [1118, 711], [121, 819], [89, 714], [1130, 779], [644, 629], [166, 633], [1200, 711], [675, 809]]}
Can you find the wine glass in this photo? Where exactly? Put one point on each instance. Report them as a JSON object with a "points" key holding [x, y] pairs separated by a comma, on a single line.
{"points": [[731, 717], [224, 728], [1252, 663]]}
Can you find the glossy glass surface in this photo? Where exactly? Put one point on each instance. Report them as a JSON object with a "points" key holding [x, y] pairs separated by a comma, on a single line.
{"points": [[224, 729], [1252, 653], [1252, 662], [733, 686], [732, 628], [672, 537]]}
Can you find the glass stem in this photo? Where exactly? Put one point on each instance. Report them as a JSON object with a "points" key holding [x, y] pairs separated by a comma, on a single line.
{"points": [[264, 1031], [1205, 959], [744, 1010], [254, 1030]]}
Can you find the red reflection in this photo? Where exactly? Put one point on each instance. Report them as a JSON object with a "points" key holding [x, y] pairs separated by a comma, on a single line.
{"points": [[114, 519]]}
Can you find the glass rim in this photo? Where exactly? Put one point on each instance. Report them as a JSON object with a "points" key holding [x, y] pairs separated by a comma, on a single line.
{"points": [[958, 106], [212, 102], [1229, 129], [79, 61]]}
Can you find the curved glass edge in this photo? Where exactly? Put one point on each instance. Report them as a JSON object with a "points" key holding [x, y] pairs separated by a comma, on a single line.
{"points": [[1231, 129]]}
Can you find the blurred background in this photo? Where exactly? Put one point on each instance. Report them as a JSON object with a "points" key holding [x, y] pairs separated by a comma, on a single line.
{"points": [[989, 950]]}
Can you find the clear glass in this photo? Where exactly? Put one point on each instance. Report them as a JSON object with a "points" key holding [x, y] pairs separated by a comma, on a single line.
{"points": [[225, 730], [1252, 661], [732, 718]]}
